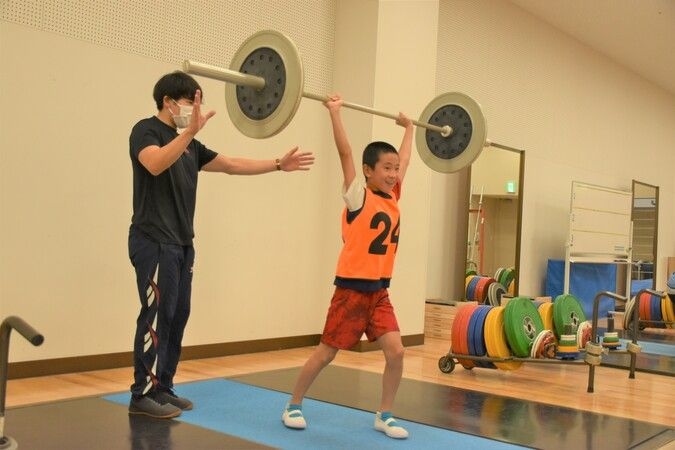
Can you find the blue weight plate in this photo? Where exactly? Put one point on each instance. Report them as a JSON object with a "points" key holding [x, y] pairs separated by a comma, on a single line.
{"points": [[475, 333], [479, 335], [471, 288], [655, 310]]}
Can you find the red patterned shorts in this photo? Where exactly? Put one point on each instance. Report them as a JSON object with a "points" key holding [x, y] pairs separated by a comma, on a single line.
{"points": [[352, 313]]}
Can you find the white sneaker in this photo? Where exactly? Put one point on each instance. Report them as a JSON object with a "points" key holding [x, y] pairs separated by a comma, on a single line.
{"points": [[293, 418], [390, 427]]}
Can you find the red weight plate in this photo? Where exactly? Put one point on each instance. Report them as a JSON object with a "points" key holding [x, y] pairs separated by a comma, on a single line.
{"points": [[459, 334]]}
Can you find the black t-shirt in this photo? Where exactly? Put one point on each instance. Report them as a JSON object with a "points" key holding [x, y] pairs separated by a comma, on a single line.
{"points": [[164, 205]]}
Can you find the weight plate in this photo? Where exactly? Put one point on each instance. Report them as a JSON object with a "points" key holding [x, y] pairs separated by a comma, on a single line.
{"points": [[546, 314], [522, 324], [469, 132], [655, 307], [459, 334], [628, 314], [584, 334], [544, 345], [482, 289], [567, 310], [476, 335], [467, 280], [471, 288], [478, 291], [265, 112], [495, 293], [668, 313], [645, 311], [498, 274], [495, 339], [507, 276]]}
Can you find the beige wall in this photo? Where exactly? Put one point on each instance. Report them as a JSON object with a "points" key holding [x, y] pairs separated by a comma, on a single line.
{"points": [[267, 245]]}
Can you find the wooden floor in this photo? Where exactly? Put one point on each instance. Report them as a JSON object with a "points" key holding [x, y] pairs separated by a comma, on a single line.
{"points": [[647, 397]]}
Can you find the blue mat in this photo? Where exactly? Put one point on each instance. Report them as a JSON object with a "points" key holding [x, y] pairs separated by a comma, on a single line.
{"points": [[254, 413], [655, 348]]}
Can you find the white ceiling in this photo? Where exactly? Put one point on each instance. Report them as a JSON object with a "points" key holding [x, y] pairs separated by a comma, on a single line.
{"points": [[638, 34]]}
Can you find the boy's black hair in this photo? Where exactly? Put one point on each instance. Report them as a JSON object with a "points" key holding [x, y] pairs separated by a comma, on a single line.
{"points": [[176, 85], [371, 154]]}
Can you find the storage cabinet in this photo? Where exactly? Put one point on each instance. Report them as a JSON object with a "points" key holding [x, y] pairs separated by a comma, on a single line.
{"points": [[438, 320]]}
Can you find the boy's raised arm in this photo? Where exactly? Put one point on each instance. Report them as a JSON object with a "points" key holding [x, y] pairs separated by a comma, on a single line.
{"points": [[341, 142], [406, 145]]}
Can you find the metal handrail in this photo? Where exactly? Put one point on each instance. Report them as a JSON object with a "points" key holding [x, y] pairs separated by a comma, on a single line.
{"points": [[32, 336]]}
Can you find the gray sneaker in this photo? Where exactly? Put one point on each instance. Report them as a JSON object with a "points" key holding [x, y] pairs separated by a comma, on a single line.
{"points": [[162, 397], [149, 407]]}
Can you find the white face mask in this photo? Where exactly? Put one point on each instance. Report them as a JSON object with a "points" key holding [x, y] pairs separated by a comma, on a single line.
{"points": [[182, 119]]}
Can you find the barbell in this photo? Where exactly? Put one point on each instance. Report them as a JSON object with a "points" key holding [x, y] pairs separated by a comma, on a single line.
{"points": [[265, 86]]}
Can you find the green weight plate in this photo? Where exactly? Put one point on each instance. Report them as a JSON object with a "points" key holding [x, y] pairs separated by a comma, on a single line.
{"points": [[567, 310], [522, 324], [507, 276]]}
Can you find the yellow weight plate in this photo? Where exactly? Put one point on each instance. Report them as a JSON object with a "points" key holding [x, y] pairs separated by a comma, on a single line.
{"points": [[495, 339], [669, 313], [546, 313]]}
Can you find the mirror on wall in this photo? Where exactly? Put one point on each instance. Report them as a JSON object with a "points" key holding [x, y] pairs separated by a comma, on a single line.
{"points": [[644, 215], [494, 216]]}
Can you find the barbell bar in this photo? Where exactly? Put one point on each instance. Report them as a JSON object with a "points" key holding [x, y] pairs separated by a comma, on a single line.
{"points": [[259, 83], [265, 85]]}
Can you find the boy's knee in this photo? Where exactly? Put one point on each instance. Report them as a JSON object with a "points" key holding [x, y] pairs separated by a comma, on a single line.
{"points": [[326, 354], [395, 354]]}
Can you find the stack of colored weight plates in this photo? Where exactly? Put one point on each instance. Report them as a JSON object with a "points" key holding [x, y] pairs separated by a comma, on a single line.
{"points": [[567, 347], [477, 288], [495, 339], [476, 335], [567, 311], [522, 325], [651, 309], [611, 340], [459, 335]]}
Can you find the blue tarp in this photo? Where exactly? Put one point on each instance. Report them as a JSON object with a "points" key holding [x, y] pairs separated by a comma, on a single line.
{"points": [[586, 280]]}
